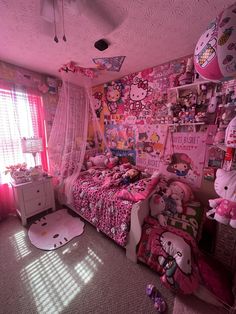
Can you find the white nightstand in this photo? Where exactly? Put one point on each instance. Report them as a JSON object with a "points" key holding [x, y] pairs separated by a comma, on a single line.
{"points": [[33, 197]]}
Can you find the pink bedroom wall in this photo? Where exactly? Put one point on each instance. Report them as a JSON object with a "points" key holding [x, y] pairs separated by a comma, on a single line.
{"points": [[159, 78]]}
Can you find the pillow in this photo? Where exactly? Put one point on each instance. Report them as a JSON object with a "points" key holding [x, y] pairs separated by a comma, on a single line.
{"points": [[139, 190]]}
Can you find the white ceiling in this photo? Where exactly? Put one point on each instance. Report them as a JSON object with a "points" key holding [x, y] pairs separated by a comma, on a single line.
{"points": [[147, 32]]}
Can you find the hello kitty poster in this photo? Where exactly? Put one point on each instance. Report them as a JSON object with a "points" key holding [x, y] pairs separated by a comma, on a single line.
{"points": [[139, 96], [184, 157], [150, 143]]}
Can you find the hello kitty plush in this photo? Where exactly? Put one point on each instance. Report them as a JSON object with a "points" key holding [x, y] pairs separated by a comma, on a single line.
{"points": [[224, 208], [157, 207]]}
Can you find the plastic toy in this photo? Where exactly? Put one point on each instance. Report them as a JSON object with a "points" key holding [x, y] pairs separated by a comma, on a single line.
{"points": [[224, 208], [214, 57], [156, 297]]}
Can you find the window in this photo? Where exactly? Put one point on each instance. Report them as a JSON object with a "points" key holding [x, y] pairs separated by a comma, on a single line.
{"points": [[20, 116]]}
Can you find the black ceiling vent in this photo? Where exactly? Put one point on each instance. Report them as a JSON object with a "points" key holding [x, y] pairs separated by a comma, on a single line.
{"points": [[101, 44]]}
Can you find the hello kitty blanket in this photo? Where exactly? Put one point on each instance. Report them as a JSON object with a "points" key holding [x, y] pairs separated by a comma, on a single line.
{"points": [[106, 203], [172, 253]]}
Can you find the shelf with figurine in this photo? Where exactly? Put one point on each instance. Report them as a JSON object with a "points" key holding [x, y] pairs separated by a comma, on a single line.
{"points": [[199, 102], [194, 85]]}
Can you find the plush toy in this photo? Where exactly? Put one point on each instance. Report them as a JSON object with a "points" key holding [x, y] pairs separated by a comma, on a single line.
{"points": [[180, 192], [111, 161], [98, 161], [157, 207], [169, 201], [224, 208]]}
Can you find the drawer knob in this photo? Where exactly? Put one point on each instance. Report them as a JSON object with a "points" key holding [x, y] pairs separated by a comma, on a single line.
{"points": [[39, 204], [37, 191]]}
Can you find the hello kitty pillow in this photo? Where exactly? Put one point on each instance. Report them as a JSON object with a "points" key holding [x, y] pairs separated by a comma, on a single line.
{"points": [[139, 190]]}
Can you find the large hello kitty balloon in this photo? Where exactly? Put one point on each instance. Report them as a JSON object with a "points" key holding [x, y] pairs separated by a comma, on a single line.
{"points": [[215, 52]]}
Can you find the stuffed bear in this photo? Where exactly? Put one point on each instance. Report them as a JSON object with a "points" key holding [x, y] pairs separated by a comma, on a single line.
{"points": [[224, 208]]}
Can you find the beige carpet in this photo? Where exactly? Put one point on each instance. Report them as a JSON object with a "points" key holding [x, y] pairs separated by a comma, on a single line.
{"points": [[88, 275]]}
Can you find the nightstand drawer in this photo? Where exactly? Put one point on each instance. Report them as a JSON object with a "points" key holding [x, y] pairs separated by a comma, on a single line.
{"points": [[34, 205], [34, 197], [34, 191]]}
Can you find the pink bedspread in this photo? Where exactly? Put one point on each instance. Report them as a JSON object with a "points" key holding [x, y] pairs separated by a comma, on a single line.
{"points": [[100, 206]]}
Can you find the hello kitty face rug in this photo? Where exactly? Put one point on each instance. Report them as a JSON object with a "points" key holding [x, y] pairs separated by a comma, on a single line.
{"points": [[55, 230]]}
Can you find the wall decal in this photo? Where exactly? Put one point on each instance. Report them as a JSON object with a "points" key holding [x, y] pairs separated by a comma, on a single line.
{"points": [[98, 106], [109, 64], [113, 95], [137, 98]]}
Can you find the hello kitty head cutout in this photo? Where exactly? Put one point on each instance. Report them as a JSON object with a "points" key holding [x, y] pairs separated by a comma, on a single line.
{"points": [[55, 230], [225, 184]]}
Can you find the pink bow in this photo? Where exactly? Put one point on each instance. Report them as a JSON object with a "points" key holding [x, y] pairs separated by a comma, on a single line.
{"points": [[143, 85]]}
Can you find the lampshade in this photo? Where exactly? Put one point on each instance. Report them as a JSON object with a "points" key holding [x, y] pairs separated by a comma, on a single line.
{"points": [[32, 145]]}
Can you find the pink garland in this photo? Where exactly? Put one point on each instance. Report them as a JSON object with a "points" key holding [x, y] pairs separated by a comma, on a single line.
{"points": [[73, 67]]}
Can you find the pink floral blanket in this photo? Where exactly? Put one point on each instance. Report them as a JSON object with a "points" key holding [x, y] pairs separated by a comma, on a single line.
{"points": [[99, 204], [172, 253]]}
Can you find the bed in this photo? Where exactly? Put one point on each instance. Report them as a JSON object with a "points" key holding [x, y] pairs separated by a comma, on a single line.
{"points": [[100, 197]]}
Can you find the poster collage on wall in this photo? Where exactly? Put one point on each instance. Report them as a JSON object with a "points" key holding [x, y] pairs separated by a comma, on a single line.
{"points": [[134, 114]]}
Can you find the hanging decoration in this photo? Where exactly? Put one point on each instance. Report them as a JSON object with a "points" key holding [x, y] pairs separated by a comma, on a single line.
{"points": [[75, 68], [215, 53], [67, 142], [109, 64]]}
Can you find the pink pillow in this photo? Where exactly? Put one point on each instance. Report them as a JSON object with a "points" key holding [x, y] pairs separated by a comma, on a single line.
{"points": [[139, 190]]}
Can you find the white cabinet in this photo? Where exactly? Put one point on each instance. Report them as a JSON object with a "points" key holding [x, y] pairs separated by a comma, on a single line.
{"points": [[33, 197]]}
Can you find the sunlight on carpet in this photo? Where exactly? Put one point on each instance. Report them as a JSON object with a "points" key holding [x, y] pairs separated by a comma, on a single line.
{"points": [[19, 244], [53, 284]]}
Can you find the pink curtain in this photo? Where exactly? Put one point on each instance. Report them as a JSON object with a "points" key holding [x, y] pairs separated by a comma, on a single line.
{"points": [[6, 201], [20, 116], [39, 126]]}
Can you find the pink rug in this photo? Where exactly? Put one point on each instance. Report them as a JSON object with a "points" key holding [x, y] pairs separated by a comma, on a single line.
{"points": [[55, 230]]}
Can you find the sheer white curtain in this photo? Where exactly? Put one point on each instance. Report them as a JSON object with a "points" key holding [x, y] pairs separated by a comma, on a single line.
{"points": [[67, 142]]}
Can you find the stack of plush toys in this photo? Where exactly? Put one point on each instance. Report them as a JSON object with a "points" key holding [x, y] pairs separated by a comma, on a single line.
{"points": [[169, 199], [224, 208]]}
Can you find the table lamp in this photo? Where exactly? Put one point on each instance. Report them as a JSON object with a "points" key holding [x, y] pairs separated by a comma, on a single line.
{"points": [[32, 145]]}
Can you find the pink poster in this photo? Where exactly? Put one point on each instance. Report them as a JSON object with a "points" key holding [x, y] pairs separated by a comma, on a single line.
{"points": [[150, 143], [184, 157]]}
